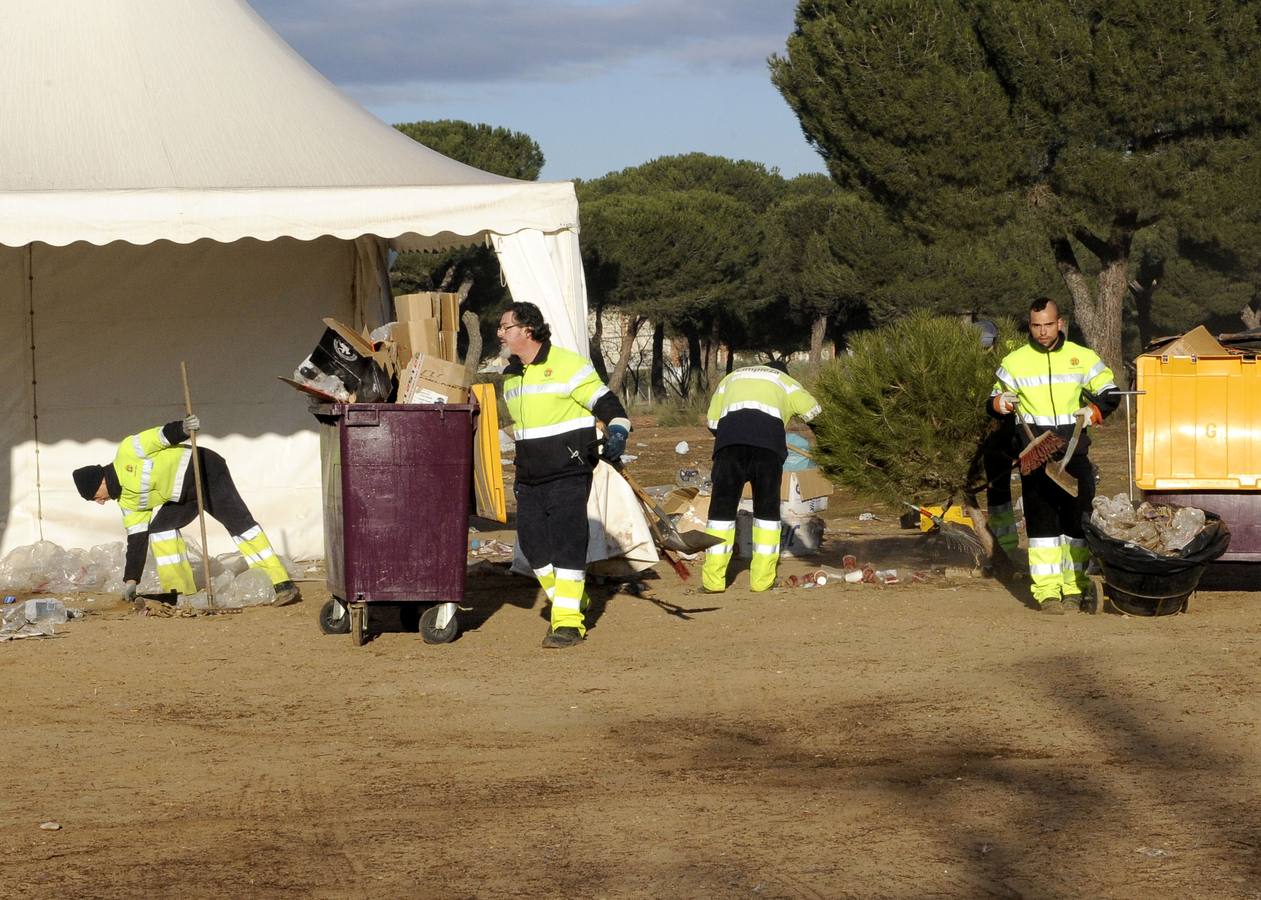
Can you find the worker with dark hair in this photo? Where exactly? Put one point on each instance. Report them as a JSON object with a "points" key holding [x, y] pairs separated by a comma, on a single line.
{"points": [[1049, 383], [151, 477], [554, 397], [748, 414]]}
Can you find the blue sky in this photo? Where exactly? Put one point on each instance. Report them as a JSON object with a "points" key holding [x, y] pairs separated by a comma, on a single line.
{"points": [[600, 84]]}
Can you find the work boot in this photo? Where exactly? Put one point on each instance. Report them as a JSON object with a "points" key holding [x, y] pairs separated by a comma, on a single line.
{"points": [[565, 636], [1054, 606], [1072, 602], [286, 592]]}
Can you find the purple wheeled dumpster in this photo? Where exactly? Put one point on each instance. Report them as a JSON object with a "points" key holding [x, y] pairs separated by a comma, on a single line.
{"points": [[396, 481]]}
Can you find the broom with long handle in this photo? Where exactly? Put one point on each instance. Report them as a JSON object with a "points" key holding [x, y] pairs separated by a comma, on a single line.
{"points": [[201, 506]]}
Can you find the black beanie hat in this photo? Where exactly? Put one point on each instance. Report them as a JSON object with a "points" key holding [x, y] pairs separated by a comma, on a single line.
{"points": [[88, 481]]}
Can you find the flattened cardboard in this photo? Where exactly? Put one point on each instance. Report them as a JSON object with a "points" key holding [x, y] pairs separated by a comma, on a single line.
{"points": [[430, 379], [416, 336], [447, 343], [415, 306], [449, 311], [1199, 341]]}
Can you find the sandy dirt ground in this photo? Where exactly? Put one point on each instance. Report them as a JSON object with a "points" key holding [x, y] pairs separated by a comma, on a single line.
{"points": [[910, 740]]}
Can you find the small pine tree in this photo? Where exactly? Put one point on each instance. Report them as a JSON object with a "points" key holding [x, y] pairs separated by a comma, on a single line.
{"points": [[904, 415]]}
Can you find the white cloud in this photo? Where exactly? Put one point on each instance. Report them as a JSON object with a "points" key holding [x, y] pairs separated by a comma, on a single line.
{"points": [[375, 45]]}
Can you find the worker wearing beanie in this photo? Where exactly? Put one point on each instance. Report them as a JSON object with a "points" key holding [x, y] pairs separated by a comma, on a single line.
{"points": [[1049, 383], [151, 477], [748, 414]]}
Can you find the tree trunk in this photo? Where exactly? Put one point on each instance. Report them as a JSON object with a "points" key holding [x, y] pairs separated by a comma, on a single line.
{"points": [[630, 331], [694, 383], [658, 369], [711, 358], [1251, 318], [473, 356], [1100, 315], [596, 343], [818, 328]]}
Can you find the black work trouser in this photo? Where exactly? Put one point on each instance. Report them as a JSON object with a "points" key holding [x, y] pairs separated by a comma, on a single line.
{"points": [[552, 522], [221, 498], [737, 465]]}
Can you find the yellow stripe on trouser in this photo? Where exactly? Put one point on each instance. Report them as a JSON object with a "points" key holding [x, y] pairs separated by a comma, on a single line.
{"points": [[765, 554], [1046, 567], [257, 551], [714, 570], [570, 599], [1076, 556], [171, 555], [1003, 524]]}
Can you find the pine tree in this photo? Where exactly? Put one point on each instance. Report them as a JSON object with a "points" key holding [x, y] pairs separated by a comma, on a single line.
{"points": [[904, 413]]}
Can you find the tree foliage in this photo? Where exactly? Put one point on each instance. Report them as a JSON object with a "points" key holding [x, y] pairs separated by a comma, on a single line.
{"points": [[903, 413], [492, 149], [498, 150], [1086, 120]]}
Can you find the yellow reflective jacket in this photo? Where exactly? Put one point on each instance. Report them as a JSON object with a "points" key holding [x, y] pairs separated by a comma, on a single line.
{"points": [[554, 402], [150, 472], [751, 406], [1054, 383]]}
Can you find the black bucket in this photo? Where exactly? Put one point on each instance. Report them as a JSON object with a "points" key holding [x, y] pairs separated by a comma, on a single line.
{"points": [[1143, 583]]}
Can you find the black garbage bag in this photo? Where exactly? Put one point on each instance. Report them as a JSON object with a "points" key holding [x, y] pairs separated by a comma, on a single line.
{"points": [[1144, 583]]}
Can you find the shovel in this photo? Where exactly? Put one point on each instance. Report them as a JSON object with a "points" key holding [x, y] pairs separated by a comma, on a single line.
{"points": [[1055, 471]]}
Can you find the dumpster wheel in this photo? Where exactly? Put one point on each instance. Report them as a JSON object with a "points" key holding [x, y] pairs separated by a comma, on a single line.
{"points": [[358, 624], [334, 618], [438, 624]]}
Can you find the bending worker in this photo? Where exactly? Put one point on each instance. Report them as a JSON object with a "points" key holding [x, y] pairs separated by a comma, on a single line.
{"points": [[554, 397], [747, 415], [151, 477], [1049, 383]]}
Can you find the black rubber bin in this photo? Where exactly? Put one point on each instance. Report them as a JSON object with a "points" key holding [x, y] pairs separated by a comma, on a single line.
{"points": [[1143, 583]]}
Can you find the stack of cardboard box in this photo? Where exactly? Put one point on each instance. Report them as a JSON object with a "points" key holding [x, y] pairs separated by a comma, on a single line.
{"points": [[425, 343]]}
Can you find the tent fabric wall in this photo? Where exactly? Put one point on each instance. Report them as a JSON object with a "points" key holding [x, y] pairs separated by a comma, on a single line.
{"points": [[111, 327], [546, 269], [184, 185]]}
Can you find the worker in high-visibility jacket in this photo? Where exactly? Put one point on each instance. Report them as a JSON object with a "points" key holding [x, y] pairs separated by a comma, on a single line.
{"points": [[748, 415], [554, 397], [152, 479], [1049, 383]]}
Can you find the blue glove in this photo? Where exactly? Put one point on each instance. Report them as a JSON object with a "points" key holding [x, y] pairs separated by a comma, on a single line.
{"points": [[615, 442]]}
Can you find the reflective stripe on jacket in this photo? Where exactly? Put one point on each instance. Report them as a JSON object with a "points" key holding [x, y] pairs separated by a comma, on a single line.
{"points": [[1050, 383], [150, 472], [752, 406], [554, 403]]}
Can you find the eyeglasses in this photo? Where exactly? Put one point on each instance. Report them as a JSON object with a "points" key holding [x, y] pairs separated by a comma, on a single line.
{"points": [[502, 328]]}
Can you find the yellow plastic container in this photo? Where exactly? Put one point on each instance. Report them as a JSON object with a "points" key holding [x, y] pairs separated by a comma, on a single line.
{"points": [[954, 514], [1199, 424]]}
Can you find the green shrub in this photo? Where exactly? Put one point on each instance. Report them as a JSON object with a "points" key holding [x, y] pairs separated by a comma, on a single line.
{"points": [[903, 415]]}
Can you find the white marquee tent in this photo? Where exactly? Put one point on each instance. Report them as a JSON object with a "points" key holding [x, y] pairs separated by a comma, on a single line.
{"points": [[176, 183]]}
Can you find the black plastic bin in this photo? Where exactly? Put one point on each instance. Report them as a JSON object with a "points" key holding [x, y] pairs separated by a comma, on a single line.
{"points": [[396, 481], [1143, 583]]}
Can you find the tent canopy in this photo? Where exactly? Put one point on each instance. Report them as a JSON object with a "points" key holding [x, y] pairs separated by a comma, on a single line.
{"points": [[177, 183], [140, 120]]}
